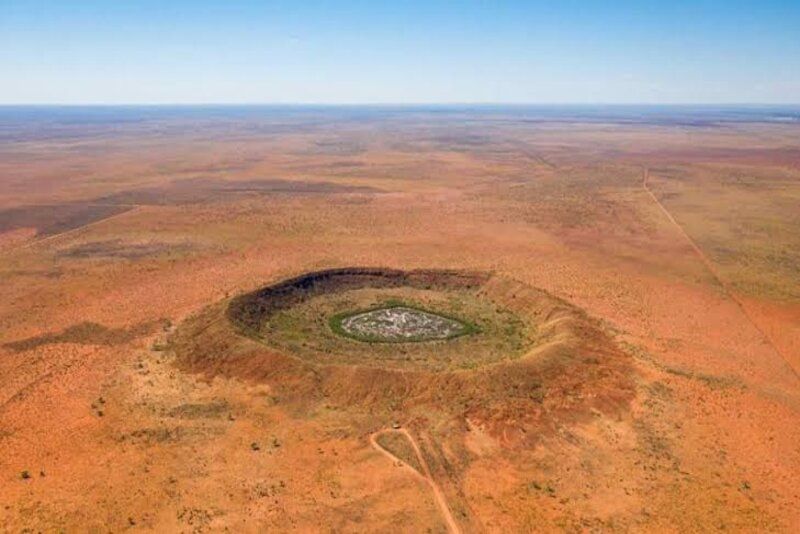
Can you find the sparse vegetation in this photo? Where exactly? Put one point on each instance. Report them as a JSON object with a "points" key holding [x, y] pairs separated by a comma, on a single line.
{"points": [[612, 384], [311, 326], [398, 445]]}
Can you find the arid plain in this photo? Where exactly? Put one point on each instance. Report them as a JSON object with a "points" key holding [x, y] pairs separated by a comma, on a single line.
{"points": [[667, 242]]}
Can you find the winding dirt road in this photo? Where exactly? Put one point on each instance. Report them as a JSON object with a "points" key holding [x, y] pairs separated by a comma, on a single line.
{"points": [[438, 495]]}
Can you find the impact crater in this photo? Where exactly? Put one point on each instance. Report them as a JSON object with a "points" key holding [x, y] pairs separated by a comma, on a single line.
{"points": [[497, 351]]}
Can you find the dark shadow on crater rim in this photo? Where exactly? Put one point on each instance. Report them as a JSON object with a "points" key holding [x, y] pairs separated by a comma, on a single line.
{"points": [[246, 312]]}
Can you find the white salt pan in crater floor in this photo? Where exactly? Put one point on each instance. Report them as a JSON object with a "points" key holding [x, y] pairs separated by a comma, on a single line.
{"points": [[400, 323]]}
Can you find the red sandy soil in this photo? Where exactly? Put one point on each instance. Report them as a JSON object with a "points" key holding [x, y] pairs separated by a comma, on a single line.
{"points": [[113, 436]]}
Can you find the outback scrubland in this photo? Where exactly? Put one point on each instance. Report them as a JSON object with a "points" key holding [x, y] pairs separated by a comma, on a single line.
{"points": [[640, 313]]}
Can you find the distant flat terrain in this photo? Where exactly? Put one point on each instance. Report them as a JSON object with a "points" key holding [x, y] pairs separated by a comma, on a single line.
{"points": [[663, 241]]}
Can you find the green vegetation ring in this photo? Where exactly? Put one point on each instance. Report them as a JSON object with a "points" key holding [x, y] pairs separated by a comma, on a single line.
{"points": [[432, 319], [399, 323], [337, 336]]}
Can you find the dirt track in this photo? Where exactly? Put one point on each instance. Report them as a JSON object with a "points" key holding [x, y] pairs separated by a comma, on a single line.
{"points": [[438, 495], [715, 273], [694, 428]]}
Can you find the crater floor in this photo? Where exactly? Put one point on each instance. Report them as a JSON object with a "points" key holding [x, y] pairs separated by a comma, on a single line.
{"points": [[398, 324]]}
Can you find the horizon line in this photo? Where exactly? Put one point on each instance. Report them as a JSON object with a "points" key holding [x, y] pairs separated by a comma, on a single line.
{"points": [[395, 104]]}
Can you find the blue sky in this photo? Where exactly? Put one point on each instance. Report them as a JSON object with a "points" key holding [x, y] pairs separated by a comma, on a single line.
{"points": [[399, 52]]}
